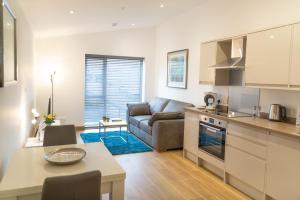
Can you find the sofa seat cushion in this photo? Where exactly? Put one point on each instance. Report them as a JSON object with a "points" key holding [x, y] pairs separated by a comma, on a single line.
{"points": [[137, 119], [176, 106], [145, 126], [158, 104]]}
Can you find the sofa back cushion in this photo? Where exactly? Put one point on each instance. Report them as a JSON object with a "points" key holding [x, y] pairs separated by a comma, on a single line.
{"points": [[138, 109], [165, 116], [158, 104], [176, 106]]}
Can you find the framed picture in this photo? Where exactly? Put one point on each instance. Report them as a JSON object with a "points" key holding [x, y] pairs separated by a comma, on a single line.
{"points": [[177, 69], [8, 44]]}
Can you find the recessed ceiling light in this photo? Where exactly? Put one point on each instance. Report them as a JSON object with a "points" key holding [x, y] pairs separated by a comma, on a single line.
{"points": [[162, 5], [71, 12], [132, 24]]}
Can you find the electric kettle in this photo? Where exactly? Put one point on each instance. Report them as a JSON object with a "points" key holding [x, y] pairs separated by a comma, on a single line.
{"points": [[277, 112]]}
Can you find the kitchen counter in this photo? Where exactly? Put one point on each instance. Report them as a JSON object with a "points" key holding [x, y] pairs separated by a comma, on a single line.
{"points": [[278, 127]]}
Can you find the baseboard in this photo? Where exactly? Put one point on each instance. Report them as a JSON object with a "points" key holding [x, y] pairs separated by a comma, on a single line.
{"points": [[245, 188]]}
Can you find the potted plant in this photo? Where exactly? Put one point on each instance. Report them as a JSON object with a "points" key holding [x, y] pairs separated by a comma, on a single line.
{"points": [[49, 119]]}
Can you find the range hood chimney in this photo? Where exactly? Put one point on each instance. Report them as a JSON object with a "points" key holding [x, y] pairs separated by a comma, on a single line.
{"points": [[234, 50]]}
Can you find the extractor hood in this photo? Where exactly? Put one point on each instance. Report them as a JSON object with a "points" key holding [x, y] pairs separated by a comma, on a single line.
{"points": [[231, 54]]}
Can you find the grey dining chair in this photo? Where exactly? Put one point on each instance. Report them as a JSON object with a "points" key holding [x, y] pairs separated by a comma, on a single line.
{"points": [[86, 186], [59, 135]]}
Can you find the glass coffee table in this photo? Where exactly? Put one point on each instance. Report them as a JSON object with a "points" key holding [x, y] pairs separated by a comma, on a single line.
{"points": [[113, 124]]}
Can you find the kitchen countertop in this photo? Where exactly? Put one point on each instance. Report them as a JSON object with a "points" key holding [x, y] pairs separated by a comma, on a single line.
{"points": [[278, 127]]}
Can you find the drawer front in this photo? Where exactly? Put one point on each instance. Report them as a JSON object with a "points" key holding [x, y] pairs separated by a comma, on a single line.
{"points": [[248, 146], [247, 168], [249, 133]]}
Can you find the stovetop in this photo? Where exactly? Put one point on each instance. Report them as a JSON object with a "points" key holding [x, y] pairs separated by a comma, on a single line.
{"points": [[230, 114]]}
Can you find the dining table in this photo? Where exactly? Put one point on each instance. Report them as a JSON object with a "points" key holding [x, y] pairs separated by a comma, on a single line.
{"points": [[27, 170]]}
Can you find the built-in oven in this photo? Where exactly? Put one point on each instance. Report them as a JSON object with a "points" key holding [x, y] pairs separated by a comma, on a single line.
{"points": [[212, 136]]}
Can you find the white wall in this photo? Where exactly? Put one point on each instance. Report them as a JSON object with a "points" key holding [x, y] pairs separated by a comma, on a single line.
{"points": [[16, 101], [67, 55], [213, 20]]}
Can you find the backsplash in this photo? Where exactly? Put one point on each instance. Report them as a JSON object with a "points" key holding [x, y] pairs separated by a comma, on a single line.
{"points": [[289, 99], [242, 99]]}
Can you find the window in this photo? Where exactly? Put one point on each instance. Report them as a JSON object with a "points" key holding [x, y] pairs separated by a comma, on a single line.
{"points": [[110, 83]]}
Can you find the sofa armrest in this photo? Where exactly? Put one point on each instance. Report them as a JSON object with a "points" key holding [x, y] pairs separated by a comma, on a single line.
{"points": [[165, 116], [168, 134]]}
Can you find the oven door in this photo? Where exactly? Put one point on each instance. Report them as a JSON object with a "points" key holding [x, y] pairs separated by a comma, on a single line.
{"points": [[212, 139]]}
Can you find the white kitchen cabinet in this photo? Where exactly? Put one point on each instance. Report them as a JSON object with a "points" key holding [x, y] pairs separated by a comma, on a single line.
{"points": [[208, 56], [295, 64], [268, 57], [191, 132], [246, 154], [247, 146], [283, 167], [249, 133], [247, 168]]}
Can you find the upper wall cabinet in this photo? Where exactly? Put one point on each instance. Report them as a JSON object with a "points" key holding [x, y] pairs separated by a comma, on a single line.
{"points": [[268, 57], [207, 58], [211, 54], [295, 64]]}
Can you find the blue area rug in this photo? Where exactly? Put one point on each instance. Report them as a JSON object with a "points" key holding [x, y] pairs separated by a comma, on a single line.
{"points": [[116, 145]]}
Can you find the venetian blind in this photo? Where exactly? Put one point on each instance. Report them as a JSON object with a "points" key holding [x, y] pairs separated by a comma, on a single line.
{"points": [[110, 83]]}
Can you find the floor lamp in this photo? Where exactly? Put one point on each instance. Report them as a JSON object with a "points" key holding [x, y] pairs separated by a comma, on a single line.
{"points": [[52, 92]]}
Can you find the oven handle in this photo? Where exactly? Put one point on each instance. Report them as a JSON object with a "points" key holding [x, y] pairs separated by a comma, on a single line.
{"points": [[212, 129]]}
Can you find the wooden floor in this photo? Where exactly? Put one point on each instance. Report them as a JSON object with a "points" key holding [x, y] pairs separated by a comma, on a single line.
{"points": [[168, 176]]}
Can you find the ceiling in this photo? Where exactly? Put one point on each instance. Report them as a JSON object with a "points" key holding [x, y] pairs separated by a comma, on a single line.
{"points": [[63, 17]]}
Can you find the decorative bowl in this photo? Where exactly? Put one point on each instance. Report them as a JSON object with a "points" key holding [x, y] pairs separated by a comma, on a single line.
{"points": [[65, 156]]}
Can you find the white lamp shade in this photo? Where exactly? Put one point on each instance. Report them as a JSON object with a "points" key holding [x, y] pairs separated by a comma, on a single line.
{"points": [[33, 110], [33, 121]]}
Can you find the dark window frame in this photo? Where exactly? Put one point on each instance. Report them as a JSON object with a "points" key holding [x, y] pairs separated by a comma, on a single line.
{"points": [[105, 59]]}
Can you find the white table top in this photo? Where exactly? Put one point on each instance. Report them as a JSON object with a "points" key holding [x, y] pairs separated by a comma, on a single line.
{"points": [[28, 169], [110, 123]]}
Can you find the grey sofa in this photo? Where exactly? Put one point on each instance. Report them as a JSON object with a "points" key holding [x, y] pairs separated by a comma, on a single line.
{"points": [[159, 123]]}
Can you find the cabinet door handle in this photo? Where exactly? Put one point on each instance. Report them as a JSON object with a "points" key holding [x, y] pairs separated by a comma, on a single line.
{"points": [[211, 128], [266, 85]]}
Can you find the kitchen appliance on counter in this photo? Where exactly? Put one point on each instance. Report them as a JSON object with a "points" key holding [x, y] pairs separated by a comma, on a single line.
{"points": [[212, 136], [277, 112], [210, 100]]}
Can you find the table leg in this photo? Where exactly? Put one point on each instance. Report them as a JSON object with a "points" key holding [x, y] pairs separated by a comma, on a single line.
{"points": [[99, 128], [127, 132], [117, 191]]}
